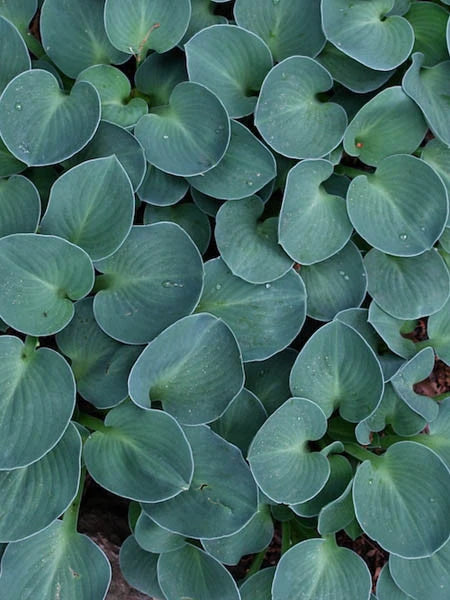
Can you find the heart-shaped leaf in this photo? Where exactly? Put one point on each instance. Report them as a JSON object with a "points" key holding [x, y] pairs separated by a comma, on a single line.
{"points": [[44, 489], [437, 155], [223, 495], [426, 577], [430, 88], [199, 576], [429, 22], [230, 61], [153, 538], [288, 100], [248, 244], [269, 379], [39, 277], [20, 206], [365, 31], [252, 538], [350, 73], [140, 454], [155, 278], [335, 284], [313, 223], [161, 189], [114, 89], [193, 368], [246, 168], [405, 518], [14, 55], [100, 364], [55, 562], [135, 26], [338, 514], [40, 124], [390, 123], [388, 211], [157, 76], [111, 139], [407, 287], [139, 568], [289, 28], [320, 568], [74, 37], [241, 420], [92, 206], [258, 586], [187, 216], [328, 368], [387, 589], [281, 462], [277, 309], [194, 131]]}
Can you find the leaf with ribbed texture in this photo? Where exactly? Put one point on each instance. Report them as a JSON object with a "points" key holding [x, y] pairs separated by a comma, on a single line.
{"points": [[264, 318], [100, 364], [387, 589], [388, 211], [341, 473], [402, 500], [423, 578], [114, 89], [328, 369], [153, 538], [241, 420], [193, 368], [74, 37], [248, 244], [20, 206], [112, 139], [437, 155], [55, 563], [40, 124], [391, 330], [155, 278], [205, 203], [193, 131], [223, 495], [363, 31], [39, 277], [161, 189], [350, 73], [408, 287], [157, 76], [252, 538], [321, 569], [19, 12], [337, 514], [390, 123], [135, 26], [139, 568], [269, 379], [415, 370], [429, 87], [358, 319], [187, 216], [92, 206], [335, 284], [202, 16], [429, 22], [230, 61], [288, 101], [140, 454], [9, 165], [281, 462], [244, 170], [258, 586], [14, 56], [291, 27], [34, 496], [313, 223], [199, 576]]}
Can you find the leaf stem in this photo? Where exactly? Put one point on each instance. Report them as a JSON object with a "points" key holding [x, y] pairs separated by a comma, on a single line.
{"points": [[70, 518], [285, 536], [256, 564], [30, 345], [91, 422], [360, 453], [350, 171], [34, 45]]}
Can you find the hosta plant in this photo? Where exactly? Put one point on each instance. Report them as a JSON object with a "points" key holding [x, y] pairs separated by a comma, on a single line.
{"points": [[224, 271]]}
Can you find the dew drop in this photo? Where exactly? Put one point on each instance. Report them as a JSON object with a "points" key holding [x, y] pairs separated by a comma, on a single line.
{"points": [[346, 277], [166, 284], [403, 236], [432, 500], [370, 482], [258, 174], [249, 183], [165, 137], [18, 106], [283, 76], [267, 286], [218, 286]]}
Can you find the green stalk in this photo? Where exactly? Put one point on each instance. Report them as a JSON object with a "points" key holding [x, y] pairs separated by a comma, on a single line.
{"points": [[30, 345], [285, 536], [256, 564], [350, 171], [91, 422], [34, 45], [70, 518], [360, 453]]}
